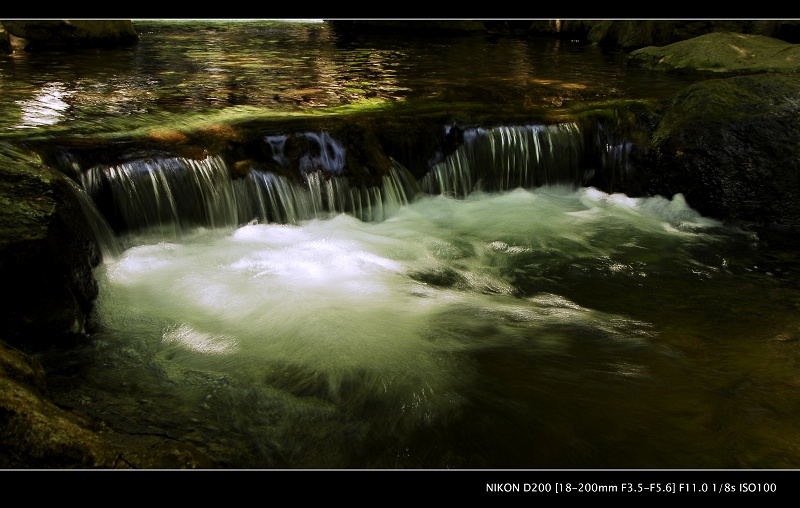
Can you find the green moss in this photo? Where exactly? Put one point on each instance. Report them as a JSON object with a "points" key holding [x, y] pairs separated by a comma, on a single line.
{"points": [[721, 101], [721, 54]]}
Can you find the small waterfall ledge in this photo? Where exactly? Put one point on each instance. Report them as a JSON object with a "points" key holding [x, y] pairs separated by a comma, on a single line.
{"points": [[171, 193]]}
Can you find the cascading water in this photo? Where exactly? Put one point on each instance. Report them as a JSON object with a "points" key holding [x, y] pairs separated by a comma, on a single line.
{"points": [[488, 312], [503, 316], [171, 194], [508, 157], [165, 193]]}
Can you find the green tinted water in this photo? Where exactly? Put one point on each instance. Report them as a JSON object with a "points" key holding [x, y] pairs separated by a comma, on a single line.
{"points": [[547, 329]]}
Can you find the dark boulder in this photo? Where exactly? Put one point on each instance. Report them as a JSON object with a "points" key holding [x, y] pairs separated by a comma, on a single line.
{"points": [[732, 148], [47, 253], [47, 34], [635, 34]]}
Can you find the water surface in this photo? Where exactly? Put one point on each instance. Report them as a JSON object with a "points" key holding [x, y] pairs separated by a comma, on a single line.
{"points": [[185, 67], [547, 327]]}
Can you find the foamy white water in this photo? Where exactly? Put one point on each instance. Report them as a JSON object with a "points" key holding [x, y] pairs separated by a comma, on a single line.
{"points": [[520, 319], [391, 303]]}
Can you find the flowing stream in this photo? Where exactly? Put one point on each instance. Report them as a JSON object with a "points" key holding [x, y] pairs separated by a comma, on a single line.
{"points": [[494, 314], [547, 328]]}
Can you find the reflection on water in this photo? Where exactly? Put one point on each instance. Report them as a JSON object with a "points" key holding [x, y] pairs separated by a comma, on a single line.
{"points": [[46, 108], [181, 67], [527, 329]]}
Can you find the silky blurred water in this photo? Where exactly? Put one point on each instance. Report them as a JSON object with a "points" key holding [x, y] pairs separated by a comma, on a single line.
{"points": [[555, 327], [547, 328]]}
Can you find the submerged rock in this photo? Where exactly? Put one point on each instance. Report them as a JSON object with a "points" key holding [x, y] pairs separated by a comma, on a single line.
{"points": [[37, 434]]}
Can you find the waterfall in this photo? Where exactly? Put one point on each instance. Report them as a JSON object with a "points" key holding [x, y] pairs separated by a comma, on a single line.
{"points": [[266, 197], [508, 157], [166, 195], [106, 241]]}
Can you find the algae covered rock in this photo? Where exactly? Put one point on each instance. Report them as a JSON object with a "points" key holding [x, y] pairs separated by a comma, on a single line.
{"points": [[721, 54], [640, 33], [35, 433], [732, 147]]}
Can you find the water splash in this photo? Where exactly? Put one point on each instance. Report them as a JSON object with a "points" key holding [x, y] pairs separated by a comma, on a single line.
{"points": [[110, 247], [339, 295], [388, 324]]}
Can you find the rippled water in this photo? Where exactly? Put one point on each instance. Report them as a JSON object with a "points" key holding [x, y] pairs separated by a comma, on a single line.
{"points": [[555, 327], [185, 67]]}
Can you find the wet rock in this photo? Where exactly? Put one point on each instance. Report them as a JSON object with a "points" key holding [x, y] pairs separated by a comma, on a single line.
{"points": [[732, 147], [47, 34], [37, 434], [5, 41], [34, 433], [47, 253], [635, 34]]}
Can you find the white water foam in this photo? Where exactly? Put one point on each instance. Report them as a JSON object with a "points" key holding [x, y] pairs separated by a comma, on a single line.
{"points": [[392, 303]]}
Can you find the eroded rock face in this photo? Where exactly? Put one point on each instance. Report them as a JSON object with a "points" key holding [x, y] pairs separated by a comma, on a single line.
{"points": [[70, 34]]}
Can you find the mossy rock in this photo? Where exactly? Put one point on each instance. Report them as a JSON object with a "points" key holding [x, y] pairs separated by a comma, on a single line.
{"points": [[47, 252], [721, 54], [732, 147], [35, 433]]}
